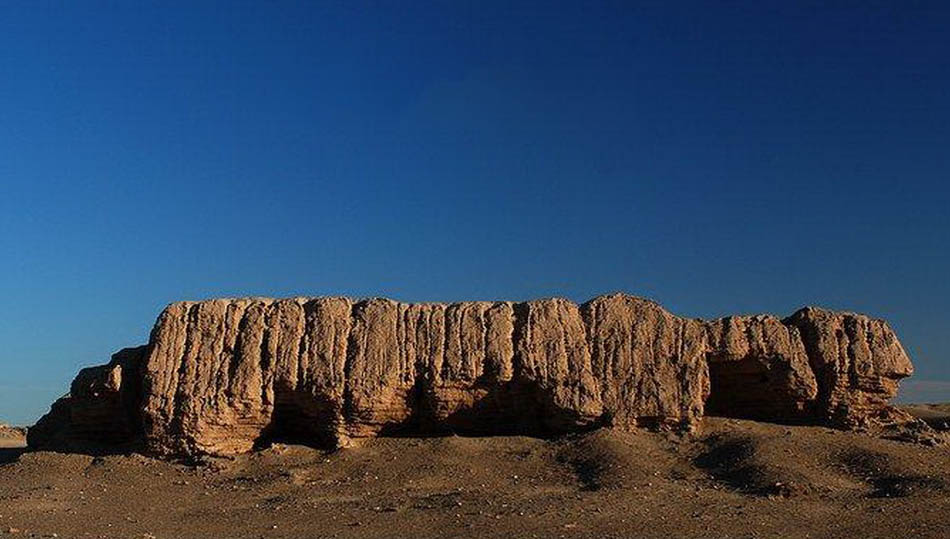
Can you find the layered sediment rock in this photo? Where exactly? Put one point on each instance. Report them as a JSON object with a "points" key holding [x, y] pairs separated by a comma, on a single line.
{"points": [[649, 364], [220, 376], [101, 408], [760, 368], [858, 363]]}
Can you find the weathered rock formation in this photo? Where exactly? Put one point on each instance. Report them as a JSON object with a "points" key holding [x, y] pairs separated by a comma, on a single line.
{"points": [[760, 369], [220, 376], [101, 407], [858, 363], [650, 365]]}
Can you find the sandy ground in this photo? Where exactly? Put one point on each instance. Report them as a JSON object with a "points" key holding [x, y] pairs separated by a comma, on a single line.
{"points": [[936, 415], [733, 479]]}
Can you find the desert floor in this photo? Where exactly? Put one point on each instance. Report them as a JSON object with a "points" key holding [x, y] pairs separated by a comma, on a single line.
{"points": [[731, 479]]}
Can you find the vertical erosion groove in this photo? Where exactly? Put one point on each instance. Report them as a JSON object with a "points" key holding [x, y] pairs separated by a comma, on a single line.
{"points": [[351, 350]]}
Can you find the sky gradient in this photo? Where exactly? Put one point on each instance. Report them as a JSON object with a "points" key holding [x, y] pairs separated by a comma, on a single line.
{"points": [[739, 158]]}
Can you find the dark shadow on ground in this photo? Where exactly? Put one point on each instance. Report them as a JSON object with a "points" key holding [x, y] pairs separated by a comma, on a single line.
{"points": [[10, 454]]}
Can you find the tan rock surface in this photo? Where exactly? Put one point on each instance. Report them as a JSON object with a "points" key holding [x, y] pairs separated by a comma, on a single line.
{"points": [[221, 376], [858, 363], [100, 409], [760, 369], [551, 353], [649, 364]]}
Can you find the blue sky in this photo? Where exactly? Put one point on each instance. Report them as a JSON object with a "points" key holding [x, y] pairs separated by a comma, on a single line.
{"points": [[721, 158]]}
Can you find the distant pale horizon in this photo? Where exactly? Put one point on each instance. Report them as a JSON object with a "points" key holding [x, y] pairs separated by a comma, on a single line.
{"points": [[718, 159]]}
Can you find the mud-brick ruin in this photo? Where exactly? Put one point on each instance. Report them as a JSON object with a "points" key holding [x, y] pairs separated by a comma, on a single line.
{"points": [[225, 375]]}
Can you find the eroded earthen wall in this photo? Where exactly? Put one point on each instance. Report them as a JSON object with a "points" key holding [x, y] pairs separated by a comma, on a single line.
{"points": [[220, 376]]}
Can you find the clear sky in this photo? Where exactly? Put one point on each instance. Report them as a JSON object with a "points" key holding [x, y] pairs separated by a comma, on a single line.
{"points": [[724, 157]]}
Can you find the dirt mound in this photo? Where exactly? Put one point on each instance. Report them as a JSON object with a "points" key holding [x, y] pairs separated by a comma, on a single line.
{"points": [[772, 460], [886, 477], [718, 482], [615, 460], [739, 462], [935, 415]]}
